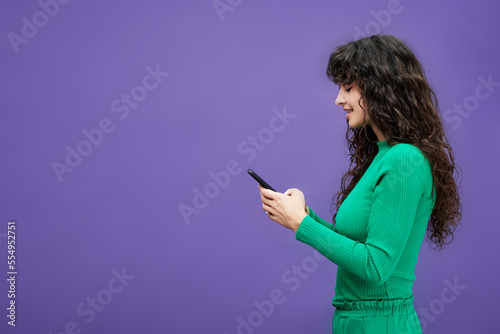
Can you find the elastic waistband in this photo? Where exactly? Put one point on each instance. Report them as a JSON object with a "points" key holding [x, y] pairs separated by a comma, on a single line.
{"points": [[374, 307]]}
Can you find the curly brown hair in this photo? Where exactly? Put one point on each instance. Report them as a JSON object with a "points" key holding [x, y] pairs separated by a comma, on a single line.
{"points": [[401, 103]]}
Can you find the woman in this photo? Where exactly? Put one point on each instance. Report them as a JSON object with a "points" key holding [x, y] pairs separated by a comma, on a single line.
{"points": [[401, 185]]}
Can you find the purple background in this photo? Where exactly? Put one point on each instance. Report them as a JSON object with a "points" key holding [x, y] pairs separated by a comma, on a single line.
{"points": [[119, 208]]}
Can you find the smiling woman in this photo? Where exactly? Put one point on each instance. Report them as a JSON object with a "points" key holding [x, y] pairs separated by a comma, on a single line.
{"points": [[400, 185], [349, 98]]}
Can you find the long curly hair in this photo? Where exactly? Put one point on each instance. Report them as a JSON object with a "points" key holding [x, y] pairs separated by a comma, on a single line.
{"points": [[401, 103]]}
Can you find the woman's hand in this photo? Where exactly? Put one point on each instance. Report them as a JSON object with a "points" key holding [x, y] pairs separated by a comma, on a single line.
{"points": [[288, 209]]}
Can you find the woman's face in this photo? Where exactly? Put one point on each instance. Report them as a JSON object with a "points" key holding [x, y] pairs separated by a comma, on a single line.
{"points": [[348, 98]]}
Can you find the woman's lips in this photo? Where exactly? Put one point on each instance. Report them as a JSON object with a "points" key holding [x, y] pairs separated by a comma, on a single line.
{"points": [[347, 116]]}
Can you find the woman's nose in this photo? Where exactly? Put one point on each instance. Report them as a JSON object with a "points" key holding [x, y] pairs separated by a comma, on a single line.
{"points": [[340, 99]]}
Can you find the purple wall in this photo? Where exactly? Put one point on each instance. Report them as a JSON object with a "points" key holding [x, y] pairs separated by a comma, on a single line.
{"points": [[116, 115]]}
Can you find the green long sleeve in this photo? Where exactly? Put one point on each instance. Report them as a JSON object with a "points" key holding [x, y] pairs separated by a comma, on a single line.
{"points": [[320, 220], [380, 226]]}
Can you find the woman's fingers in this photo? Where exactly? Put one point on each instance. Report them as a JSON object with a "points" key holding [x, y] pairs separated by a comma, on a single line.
{"points": [[267, 192], [265, 198]]}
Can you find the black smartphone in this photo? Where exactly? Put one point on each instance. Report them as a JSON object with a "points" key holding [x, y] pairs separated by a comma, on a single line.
{"points": [[260, 180]]}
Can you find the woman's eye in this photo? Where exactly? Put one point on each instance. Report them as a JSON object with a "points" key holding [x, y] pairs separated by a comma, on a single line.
{"points": [[348, 89]]}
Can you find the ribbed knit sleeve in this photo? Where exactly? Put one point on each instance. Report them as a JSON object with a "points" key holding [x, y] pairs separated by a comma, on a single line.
{"points": [[320, 220], [394, 204]]}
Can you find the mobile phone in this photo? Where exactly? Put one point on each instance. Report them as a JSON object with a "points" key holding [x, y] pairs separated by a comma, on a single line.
{"points": [[260, 180]]}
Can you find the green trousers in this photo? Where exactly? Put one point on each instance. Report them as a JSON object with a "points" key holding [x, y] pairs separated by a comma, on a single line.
{"points": [[389, 316]]}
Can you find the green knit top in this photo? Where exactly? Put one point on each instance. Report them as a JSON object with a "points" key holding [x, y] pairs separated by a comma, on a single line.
{"points": [[379, 229]]}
